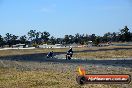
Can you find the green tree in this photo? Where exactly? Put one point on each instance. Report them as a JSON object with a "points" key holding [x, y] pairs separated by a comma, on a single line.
{"points": [[107, 37], [8, 39], [23, 39], [66, 39], [71, 39], [92, 37], [52, 40], [125, 34], [97, 40], [114, 37], [45, 36], [1, 41], [37, 37], [60, 41], [32, 34], [77, 38], [14, 39]]}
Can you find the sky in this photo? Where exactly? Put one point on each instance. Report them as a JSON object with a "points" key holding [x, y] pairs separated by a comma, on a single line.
{"points": [[61, 17]]}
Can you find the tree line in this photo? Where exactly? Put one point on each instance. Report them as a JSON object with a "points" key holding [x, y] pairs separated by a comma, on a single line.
{"points": [[35, 38]]}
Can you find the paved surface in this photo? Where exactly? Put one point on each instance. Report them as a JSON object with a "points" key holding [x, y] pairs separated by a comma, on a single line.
{"points": [[33, 62]]}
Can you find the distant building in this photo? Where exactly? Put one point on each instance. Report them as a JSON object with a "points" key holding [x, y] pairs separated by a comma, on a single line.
{"points": [[20, 46], [90, 43], [50, 46], [72, 45]]}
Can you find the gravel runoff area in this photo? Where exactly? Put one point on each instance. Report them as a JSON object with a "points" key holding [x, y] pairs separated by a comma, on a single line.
{"points": [[39, 62]]}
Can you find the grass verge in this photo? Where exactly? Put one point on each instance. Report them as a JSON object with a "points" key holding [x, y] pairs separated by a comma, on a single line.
{"points": [[12, 78]]}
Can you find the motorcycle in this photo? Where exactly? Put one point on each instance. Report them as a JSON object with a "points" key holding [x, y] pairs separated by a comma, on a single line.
{"points": [[69, 55]]}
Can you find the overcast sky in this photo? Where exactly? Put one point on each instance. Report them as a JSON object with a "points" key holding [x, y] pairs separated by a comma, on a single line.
{"points": [[60, 17]]}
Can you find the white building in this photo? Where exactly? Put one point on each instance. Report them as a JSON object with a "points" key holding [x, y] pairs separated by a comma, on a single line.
{"points": [[20, 46], [90, 43], [51, 46]]}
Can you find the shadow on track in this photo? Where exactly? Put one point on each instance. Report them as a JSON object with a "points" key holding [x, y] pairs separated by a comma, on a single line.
{"points": [[41, 57]]}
